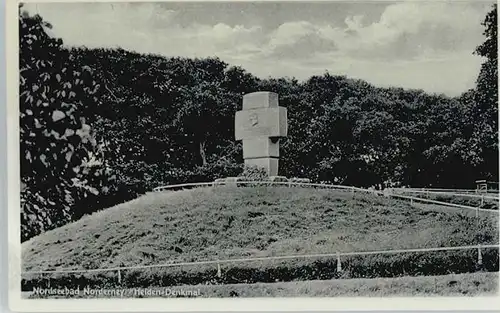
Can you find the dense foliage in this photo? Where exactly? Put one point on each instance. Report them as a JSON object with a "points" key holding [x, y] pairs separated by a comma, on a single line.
{"points": [[485, 113], [100, 126], [61, 161]]}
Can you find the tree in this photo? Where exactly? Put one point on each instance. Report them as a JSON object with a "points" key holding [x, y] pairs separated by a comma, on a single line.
{"points": [[60, 158], [486, 110], [205, 108]]}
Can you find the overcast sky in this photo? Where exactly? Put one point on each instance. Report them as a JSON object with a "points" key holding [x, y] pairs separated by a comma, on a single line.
{"points": [[425, 45]]}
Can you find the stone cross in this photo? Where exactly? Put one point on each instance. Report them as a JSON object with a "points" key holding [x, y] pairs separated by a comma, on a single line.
{"points": [[260, 125]]}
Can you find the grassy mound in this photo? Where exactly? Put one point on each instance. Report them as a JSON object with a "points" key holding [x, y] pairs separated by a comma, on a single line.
{"points": [[225, 222]]}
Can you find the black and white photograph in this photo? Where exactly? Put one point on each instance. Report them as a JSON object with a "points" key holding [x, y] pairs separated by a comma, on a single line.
{"points": [[252, 151]]}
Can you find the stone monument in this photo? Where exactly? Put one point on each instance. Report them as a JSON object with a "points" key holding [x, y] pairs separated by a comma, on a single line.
{"points": [[260, 125]]}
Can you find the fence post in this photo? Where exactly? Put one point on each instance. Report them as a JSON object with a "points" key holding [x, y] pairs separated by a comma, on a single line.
{"points": [[339, 265], [411, 201], [479, 257], [219, 272], [482, 201], [119, 276]]}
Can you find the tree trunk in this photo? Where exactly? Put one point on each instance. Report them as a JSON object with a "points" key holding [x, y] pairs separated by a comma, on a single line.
{"points": [[202, 153]]}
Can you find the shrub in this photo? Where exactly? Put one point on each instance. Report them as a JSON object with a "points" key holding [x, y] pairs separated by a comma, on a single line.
{"points": [[254, 173]]}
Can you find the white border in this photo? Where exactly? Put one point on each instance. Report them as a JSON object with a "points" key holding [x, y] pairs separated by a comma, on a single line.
{"points": [[16, 303]]}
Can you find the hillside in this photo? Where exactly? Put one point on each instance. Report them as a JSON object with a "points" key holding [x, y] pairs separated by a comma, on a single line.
{"points": [[224, 222]]}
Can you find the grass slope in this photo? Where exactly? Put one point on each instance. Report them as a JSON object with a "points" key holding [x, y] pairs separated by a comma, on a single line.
{"points": [[225, 222], [476, 284]]}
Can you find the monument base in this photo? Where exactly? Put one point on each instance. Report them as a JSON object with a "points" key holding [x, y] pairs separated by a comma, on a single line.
{"points": [[269, 164]]}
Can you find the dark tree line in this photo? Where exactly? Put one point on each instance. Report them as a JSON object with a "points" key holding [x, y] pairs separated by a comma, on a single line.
{"points": [[101, 126]]}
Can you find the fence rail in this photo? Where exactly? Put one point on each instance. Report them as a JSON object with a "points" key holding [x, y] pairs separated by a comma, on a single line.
{"points": [[242, 260], [451, 190], [242, 183], [426, 192], [453, 205], [167, 187]]}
